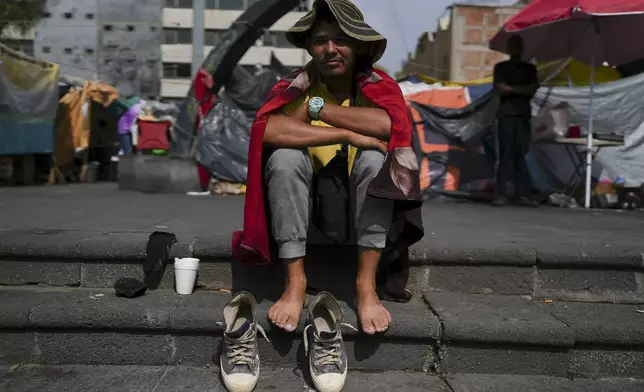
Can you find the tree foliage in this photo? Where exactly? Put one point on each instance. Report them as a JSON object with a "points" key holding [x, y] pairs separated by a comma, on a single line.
{"points": [[21, 14]]}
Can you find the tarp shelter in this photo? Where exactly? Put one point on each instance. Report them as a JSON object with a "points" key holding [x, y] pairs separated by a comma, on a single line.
{"points": [[457, 151], [566, 72], [28, 103], [86, 118], [618, 109], [224, 134], [451, 156]]}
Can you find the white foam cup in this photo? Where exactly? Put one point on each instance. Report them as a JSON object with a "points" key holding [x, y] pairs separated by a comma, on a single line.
{"points": [[185, 274]]}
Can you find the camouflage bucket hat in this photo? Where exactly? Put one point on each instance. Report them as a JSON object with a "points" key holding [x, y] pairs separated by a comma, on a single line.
{"points": [[351, 21]]}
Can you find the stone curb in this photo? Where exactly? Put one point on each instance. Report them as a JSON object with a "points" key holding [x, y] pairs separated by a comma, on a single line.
{"points": [[83, 245], [449, 317], [450, 333], [164, 310]]}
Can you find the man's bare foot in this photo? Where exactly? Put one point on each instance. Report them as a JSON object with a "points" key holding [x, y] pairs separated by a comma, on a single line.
{"points": [[373, 315], [286, 311]]}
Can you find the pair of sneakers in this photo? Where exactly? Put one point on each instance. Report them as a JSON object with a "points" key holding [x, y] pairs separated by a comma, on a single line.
{"points": [[323, 344]]}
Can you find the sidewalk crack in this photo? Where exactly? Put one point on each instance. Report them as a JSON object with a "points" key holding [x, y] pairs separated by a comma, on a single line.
{"points": [[161, 379]]}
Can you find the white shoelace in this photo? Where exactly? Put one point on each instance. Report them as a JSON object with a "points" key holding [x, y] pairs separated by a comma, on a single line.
{"points": [[326, 353], [241, 351]]}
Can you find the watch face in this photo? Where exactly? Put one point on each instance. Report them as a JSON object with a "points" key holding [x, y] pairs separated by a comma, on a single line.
{"points": [[316, 102]]}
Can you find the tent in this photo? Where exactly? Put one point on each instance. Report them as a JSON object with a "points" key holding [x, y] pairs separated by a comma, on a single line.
{"points": [[456, 145], [451, 155], [566, 72], [224, 133], [86, 117], [28, 103]]}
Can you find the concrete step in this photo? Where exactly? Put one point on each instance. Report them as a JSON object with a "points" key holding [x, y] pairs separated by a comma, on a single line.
{"points": [[442, 334], [179, 378], [157, 174], [76, 258], [79, 326]]}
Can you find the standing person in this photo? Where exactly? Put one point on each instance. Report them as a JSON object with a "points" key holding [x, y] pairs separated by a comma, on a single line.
{"points": [[516, 82], [336, 125]]}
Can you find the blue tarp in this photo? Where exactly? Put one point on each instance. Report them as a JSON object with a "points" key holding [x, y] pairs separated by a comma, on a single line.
{"points": [[29, 94], [477, 91], [18, 137]]}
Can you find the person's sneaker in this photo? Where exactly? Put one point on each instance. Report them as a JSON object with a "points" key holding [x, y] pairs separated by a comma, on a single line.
{"points": [[239, 360], [323, 344], [499, 201]]}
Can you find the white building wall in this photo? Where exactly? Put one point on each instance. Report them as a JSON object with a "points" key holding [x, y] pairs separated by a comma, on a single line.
{"points": [[74, 35], [116, 41], [176, 55]]}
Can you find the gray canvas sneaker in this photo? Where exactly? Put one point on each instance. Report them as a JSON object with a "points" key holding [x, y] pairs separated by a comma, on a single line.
{"points": [[239, 359], [323, 344]]}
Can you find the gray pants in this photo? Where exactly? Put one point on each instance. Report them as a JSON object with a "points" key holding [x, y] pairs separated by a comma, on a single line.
{"points": [[289, 176]]}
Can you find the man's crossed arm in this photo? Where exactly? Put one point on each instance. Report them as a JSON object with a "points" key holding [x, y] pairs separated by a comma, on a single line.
{"points": [[374, 122], [365, 128], [528, 90]]}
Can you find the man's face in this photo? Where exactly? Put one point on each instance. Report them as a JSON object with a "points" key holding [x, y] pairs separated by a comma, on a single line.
{"points": [[332, 50], [515, 46]]}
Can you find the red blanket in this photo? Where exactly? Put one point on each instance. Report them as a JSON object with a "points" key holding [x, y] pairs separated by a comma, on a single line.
{"points": [[397, 180]]}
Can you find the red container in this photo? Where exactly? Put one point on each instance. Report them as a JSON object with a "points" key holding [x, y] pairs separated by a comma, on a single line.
{"points": [[153, 135], [574, 132]]}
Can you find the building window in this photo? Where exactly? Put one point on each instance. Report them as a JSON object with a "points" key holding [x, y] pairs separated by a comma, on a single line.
{"points": [[228, 4], [213, 36], [178, 3], [269, 38], [177, 71], [281, 41], [231, 4], [177, 36], [276, 39]]}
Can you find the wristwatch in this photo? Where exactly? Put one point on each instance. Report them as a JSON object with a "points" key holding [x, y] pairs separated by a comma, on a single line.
{"points": [[316, 104]]}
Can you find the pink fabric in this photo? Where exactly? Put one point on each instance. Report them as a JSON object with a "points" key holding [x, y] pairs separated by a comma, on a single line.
{"points": [[204, 94], [587, 30]]}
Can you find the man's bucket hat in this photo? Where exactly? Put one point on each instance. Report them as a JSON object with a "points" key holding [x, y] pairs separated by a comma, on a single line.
{"points": [[351, 21]]}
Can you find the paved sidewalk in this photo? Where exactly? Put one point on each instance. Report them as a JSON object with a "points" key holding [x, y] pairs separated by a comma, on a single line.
{"points": [[172, 379], [102, 208]]}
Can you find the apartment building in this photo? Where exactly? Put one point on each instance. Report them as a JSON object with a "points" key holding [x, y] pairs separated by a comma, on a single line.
{"points": [[176, 51], [458, 49], [144, 47]]}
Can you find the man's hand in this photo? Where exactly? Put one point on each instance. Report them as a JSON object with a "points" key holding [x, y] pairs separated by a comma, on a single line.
{"points": [[504, 88], [366, 142]]}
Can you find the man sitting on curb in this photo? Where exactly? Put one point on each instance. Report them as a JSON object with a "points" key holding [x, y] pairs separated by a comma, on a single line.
{"points": [[336, 113]]}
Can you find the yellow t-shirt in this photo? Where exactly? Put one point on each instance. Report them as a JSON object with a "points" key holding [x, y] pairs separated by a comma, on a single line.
{"points": [[321, 156]]}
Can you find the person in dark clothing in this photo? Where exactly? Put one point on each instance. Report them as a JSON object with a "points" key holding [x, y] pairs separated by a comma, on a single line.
{"points": [[516, 82]]}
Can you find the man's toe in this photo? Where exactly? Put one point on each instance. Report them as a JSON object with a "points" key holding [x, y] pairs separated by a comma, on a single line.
{"points": [[290, 324], [387, 315], [281, 320], [382, 323], [369, 327]]}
